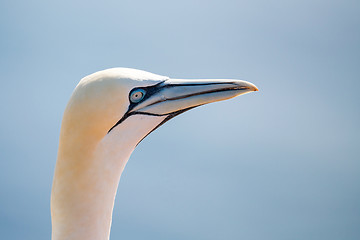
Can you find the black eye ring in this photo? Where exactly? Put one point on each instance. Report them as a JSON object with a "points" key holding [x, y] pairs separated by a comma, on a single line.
{"points": [[137, 95]]}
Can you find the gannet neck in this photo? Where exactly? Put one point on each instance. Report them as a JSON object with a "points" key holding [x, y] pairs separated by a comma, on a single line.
{"points": [[86, 178]]}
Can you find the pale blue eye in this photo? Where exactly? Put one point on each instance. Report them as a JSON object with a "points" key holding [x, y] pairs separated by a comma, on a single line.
{"points": [[137, 95]]}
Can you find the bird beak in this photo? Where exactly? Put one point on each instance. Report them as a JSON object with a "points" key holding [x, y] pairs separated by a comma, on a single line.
{"points": [[175, 96]]}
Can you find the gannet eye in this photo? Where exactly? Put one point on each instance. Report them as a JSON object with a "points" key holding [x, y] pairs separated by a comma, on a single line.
{"points": [[137, 95]]}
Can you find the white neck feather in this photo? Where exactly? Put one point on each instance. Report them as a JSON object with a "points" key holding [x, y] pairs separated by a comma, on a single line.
{"points": [[86, 180]]}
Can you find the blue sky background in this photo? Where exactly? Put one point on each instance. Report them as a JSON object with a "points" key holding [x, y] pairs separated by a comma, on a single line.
{"points": [[283, 163]]}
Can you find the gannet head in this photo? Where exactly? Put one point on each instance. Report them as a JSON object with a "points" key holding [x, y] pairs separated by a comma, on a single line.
{"points": [[108, 114], [105, 100]]}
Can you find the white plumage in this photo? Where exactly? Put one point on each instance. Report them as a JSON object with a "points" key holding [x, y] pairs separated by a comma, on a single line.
{"points": [[108, 114]]}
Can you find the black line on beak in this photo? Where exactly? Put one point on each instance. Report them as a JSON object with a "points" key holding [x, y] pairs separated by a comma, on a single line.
{"points": [[151, 90]]}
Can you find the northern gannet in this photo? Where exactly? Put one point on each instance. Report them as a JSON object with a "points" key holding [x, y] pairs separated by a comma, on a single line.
{"points": [[108, 114]]}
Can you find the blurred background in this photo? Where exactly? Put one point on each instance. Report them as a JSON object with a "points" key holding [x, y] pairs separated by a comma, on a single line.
{"points": [[282, 163]]}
